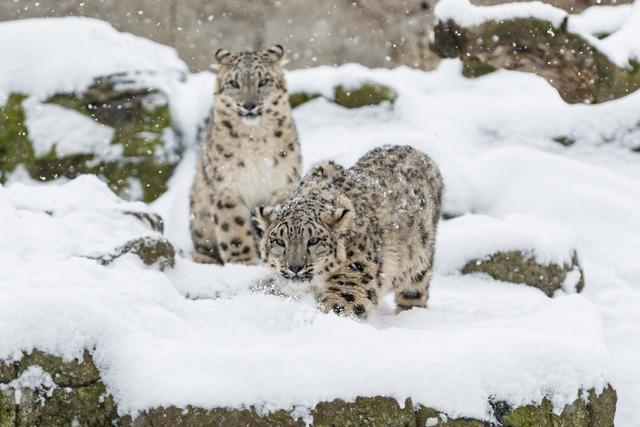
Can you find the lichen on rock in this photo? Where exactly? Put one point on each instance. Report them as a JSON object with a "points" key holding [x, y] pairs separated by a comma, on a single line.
{"points": [[368, 93], [522, 267], [152, 251], [299, 98], [365, 94]]}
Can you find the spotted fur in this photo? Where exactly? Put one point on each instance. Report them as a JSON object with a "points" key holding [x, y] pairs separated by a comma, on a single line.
{"points": [[250, 155], [351, 236]]}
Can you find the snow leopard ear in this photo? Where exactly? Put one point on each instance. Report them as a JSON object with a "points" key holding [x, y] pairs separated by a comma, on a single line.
{"points": [[275, 54], [223, 57], [341, 216], [260, 218]]}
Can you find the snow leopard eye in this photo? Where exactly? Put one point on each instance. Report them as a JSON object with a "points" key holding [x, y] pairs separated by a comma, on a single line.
{"points": [[263, 82], [313, 241], [280, 242], [234, 84]]}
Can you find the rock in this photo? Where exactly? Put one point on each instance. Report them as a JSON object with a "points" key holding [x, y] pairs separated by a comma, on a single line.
{"points": [[152, 251], [368, 93], [518, 267], [141, 122], [298, 98], [597, 410], [472, 69], [569, 62], [76, 396]]}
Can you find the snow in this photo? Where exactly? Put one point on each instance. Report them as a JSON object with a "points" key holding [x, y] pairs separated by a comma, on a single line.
{"points": [[600, 19], [38, 58], [466, 14], [237, 347], [52, 127], [201, 334], [620, 47]]}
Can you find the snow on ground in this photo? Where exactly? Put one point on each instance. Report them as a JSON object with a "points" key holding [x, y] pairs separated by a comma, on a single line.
{"points": [[198, 335]]}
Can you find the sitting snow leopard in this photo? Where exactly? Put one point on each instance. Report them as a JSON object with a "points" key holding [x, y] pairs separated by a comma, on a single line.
{"points": [[352, 235], [250, 155]]}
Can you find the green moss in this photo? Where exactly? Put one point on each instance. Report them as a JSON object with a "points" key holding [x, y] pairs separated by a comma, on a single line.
{"points": [[516, 267], [564, 140], [299, 98], [368, 93], [15, 147], [472, 69]]}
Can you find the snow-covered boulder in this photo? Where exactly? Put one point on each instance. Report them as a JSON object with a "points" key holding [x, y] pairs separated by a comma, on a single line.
{"points": [[77, 96], [539, 38], [516, 249], [79, 219]]}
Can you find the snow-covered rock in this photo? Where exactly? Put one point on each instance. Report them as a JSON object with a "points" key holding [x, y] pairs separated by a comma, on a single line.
{"points": [[77, 96], [516, 249]]}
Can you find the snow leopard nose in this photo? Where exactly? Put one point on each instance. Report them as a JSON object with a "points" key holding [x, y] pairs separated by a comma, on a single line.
{"points": [[249, 106], [295, 268]]}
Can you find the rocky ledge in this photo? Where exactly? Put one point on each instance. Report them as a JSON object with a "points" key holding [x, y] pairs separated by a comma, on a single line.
{"points": [[44, 390]]}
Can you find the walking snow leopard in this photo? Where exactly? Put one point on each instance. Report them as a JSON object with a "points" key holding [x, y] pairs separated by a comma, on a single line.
{"points": [[250, 155], [352, 235]]}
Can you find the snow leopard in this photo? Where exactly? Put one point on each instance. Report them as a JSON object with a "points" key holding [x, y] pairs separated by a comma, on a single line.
{"points": [[351, 236], [249, 155]]}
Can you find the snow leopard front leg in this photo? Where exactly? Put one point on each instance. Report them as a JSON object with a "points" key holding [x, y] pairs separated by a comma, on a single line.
{"points": [[201, 224], [350, 291], [232, 219]]}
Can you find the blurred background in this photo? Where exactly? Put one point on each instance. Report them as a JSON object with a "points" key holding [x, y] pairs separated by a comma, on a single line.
{"points": [[376, 33]]}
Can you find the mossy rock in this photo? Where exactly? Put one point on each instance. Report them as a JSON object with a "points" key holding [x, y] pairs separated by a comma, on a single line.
{"points": [[83, 400], [598, 410], [299, 98], [158, 252], [518, 267], [68, 373], [196, 417], [77, 397], [140, 119], [368, 93], [364, 411], [472, 69], [88, 405]]}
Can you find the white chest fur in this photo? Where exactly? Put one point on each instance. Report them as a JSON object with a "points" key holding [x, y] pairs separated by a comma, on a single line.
{"points": [[256, 182]]}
